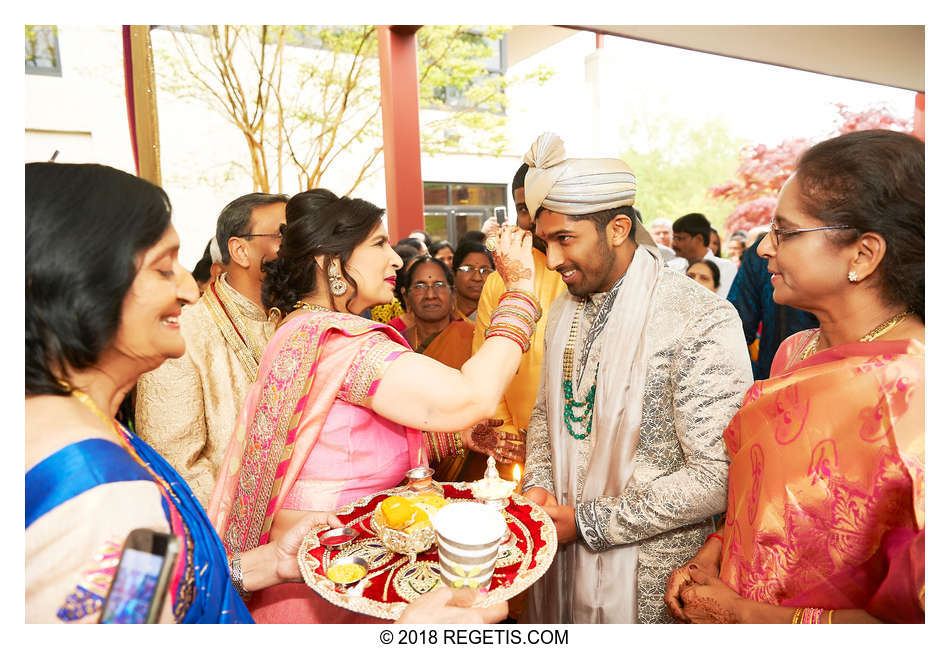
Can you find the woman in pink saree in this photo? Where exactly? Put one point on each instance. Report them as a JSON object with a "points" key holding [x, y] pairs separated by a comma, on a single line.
{"points": [[825, 517], [339, 401]]}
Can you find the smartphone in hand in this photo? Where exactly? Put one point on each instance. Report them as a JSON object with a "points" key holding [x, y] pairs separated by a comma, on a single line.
{"points": [[501, 214], [141, 579]]}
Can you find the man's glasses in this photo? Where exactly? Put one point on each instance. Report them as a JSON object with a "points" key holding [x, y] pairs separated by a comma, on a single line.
{"points": [[421, 288], [779, 234], [249, 235], [484, 270]]}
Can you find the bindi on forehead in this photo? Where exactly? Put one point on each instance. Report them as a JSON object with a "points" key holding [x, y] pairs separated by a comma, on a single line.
{"points": [[428, 272], [557, 225]]}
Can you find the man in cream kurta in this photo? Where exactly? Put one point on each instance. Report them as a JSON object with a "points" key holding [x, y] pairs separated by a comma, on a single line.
{"points": [[186, 409], [652, 367]]}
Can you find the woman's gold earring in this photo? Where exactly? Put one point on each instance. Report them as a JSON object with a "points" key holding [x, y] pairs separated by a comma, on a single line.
{"points": [[337, 285]]}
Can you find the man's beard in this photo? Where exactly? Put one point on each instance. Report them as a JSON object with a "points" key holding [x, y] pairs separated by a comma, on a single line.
{"points": [[595, 277]]}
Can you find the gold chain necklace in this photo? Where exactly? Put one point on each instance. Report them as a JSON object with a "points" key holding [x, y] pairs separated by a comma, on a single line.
{"points": [[87, 401], [310, 307], [164, 488], [568, 359], [875, 333]]}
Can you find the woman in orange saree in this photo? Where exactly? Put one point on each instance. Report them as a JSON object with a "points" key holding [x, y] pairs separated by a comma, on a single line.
{"points": [[338, 402], [825, 517]]}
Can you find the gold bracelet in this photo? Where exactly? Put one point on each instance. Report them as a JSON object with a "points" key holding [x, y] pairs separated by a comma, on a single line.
{"points": [[797, 615], [237, 579], [830, 611]]}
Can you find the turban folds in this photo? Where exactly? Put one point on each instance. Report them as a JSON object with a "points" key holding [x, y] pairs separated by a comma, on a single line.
{"points": [[576, 186]]}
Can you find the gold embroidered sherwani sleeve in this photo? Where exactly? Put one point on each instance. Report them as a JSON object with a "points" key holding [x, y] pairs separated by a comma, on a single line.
{"points": [[170, 416], [708, 373]]}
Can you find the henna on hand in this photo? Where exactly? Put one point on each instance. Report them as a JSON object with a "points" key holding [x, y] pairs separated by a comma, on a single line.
{"points": [[678, 580], [487, 439], [511, 270], [706, 610], [484, 437]]}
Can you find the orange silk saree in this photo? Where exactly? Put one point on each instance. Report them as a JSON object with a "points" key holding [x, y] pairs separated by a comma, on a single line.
{"points": [[826, 486]]}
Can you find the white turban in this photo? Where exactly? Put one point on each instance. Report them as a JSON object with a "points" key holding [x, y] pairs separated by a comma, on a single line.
{"points": [[576, 186]]}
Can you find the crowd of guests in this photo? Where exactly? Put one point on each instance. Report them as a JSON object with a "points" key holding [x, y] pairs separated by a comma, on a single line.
{"points": [[755, 453]]}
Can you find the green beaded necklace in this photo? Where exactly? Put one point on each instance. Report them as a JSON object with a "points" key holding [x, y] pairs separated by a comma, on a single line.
{"points": [[570, 405]]}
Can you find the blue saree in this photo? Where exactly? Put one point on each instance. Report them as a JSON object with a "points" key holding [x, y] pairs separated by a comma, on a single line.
{"points": [[201, 591]]}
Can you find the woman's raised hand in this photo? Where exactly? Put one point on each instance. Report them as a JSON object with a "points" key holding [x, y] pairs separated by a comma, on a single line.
{"points": [[513, 257]]}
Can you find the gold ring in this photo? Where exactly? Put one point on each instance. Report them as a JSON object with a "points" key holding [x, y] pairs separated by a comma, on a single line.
{"points": [[491, 243]]}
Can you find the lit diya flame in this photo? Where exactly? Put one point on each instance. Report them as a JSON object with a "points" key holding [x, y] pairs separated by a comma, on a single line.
{"points": [[517, 473]]}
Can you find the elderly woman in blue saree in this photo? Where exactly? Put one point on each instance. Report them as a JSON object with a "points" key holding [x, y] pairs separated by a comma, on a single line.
{"points": [[104, 291]]}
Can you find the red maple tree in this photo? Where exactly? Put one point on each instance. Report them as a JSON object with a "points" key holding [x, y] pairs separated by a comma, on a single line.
{"points": [[763, 169]]}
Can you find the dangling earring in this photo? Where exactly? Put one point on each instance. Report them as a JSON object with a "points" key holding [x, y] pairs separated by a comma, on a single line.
{"points": [[337, 285], [852, 276]]}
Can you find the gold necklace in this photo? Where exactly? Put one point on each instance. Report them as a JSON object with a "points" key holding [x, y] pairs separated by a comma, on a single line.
{"points": [[567, 386], [310, 307], [87, 401], [875, 333]]}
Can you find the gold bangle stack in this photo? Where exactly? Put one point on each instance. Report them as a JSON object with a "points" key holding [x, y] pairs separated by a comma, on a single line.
{"points": [[797, 615], [515, 317]]}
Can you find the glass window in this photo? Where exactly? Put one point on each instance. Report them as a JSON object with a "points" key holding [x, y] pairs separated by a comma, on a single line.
{"points": [[478, 195], [452, 209], [469, 220], [435, 194], [437, 225], [42, 50]]}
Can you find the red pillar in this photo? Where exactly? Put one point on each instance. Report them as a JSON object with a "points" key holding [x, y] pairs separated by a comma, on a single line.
{"points": [[399, 93], [919, 116]]}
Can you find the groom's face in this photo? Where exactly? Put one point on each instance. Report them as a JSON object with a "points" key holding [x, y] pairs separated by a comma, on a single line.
{"points": [[578, 250]]}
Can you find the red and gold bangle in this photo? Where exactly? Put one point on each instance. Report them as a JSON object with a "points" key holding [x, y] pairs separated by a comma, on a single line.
{"points": [[443, 445], [432, 446], [517, 295], [812, 615], [517, 338], [513, 330]]}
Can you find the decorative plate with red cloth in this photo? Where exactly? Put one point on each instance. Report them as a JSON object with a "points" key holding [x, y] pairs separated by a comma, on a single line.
{"points": [[394, 579]]}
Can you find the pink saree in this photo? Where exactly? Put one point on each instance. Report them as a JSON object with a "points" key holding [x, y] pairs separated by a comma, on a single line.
{"points": [[826, 486], [305, 441]]}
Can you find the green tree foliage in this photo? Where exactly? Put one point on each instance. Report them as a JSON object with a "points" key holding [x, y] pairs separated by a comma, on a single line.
{"points": [[307, 97], [675, 161]]}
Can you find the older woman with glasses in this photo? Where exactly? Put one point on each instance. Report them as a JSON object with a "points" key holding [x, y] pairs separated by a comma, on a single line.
{"points": [[429, 292], [429, 298], [473, 265], [825, 519]]}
